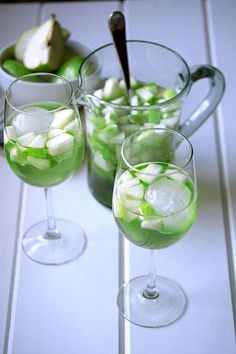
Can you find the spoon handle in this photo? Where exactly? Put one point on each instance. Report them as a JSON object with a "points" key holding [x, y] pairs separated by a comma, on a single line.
{"points": [[117, 26]]}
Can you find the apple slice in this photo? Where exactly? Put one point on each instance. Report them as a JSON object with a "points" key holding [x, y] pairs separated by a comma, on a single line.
{"points": [[26, 139], [10, 133], [54, 132], [41, 164], [22, 43], [111, 89], [72, 126], [62, 118], [60, 144], [45, 49], [38, 142]]}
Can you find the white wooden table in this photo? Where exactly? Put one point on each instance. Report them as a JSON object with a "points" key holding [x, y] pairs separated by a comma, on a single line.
{"points": [[72, 308]]}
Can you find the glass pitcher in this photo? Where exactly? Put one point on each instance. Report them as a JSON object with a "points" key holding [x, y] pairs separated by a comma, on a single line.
{"points": [[160, 81]]}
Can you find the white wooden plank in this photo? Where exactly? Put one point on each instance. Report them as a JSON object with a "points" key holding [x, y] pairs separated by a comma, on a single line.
{"points": [[60, 308], [14, 19], [10, 201], [223, 52], [199, 262], [71, 308]]}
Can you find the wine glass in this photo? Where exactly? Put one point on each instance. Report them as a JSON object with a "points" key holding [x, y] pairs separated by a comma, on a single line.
{"points": [[154, 205], [44, 146]]}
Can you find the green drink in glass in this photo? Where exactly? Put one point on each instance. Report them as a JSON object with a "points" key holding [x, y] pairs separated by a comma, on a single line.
{"points": [[44, 146], [155, 211], [154, 205]]}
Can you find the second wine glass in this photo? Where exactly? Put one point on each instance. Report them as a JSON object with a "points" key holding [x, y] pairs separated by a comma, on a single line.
{"points": [[154, 204], [44, 146]]}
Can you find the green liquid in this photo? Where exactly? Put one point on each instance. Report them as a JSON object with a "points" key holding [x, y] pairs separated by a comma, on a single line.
{"points": [[105, 136], [37, 166], [160, 231]]}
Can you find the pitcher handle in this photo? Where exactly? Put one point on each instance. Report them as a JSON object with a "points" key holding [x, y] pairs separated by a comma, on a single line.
{"points": [[209, 103]]}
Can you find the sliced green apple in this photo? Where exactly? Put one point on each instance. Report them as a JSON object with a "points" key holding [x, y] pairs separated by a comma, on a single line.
{"points": [[45, 49], [15, 68], [62, 118], [41, 164], [60, 144], [22, 43], [38, 141]]}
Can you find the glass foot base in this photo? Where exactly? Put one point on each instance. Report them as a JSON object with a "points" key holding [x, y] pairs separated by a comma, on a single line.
{"points": [[165, 309], [69, 246]]}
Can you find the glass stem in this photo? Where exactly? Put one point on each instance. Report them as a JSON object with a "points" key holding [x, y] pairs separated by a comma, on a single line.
{"points": [[151, 291], [51, 232]]}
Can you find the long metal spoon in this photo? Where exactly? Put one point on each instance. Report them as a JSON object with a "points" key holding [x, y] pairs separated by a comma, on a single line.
{"points": [[116, 24]]}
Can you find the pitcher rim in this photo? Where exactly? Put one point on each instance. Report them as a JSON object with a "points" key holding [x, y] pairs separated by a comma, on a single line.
{"points": [[141, 108]]}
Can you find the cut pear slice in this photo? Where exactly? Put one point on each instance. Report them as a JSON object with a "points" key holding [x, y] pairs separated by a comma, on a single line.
{"points": [[111, 89], [62, 118], [153, 223], [17, 156], [72, 126], [176, 175], [41, 164], [54, 132], [149, 173], [144, 94], [38, 142], [130, 194], [22, 43], [10, 132], [45, 49], [60, 144], [26, 139], [102, 163], [122, 213]]}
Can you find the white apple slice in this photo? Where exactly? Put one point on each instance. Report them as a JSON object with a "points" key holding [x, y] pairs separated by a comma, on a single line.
{"points": [[153, 223], [22, 43], [98, 93], [26, 139], [60, 144], [144, 94], [62, 118], [17, 156], [119, 100], [38, 142], [149, 173], [45, 49], [117, 139], [54, 132], [122, 213], [111, 89], [10, 133], [41, 164], [134, 101], [102, 163], [176, 175], [72, 126]]}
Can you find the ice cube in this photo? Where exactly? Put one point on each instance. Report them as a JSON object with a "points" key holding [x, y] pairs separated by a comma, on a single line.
{"points": [[36, 120], [168, 196]]}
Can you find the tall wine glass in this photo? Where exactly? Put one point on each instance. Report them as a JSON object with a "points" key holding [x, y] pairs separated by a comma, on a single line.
{"points": [[154, 204], [44, 146]]}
